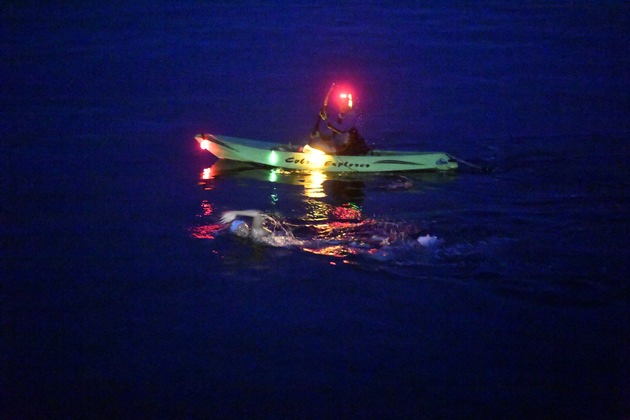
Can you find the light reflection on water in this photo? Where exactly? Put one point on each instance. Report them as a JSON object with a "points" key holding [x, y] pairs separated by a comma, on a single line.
{"points": [[324, 211], [372, 220]]}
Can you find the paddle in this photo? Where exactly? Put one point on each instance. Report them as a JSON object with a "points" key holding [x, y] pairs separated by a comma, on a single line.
{"points": [[323, 111]]}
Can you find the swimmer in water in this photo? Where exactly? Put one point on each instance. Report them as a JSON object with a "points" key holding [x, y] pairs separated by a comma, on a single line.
{"points": [[242, 229], [257, 231], [368, 237]]}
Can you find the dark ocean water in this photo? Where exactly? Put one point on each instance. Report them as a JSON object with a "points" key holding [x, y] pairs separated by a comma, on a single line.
{"points": [[115, 300]]}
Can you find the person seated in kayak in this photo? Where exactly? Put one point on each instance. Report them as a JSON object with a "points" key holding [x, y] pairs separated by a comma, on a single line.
{"points": [[337, 134]]}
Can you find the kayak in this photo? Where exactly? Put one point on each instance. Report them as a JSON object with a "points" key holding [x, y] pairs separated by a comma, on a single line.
{"points": [[293, 157]]}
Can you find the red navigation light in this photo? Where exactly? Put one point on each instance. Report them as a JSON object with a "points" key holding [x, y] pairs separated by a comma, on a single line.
{"points": [[346, 99]]}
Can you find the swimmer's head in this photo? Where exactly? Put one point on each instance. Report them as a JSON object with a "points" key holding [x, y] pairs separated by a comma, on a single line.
{"points": [[239, 228]]}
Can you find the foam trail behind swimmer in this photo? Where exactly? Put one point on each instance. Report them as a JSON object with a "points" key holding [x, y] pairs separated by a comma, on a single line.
{"points": [[427, 240]]}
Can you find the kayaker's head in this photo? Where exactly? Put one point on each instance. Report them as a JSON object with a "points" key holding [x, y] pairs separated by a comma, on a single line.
{"points": [[239, 228]]}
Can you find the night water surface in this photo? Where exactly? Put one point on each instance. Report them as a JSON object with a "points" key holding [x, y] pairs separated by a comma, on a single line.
{"points": [[122, 296]]}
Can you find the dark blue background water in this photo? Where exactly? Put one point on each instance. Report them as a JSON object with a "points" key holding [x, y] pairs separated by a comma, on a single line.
{"points": [[112, 305]]}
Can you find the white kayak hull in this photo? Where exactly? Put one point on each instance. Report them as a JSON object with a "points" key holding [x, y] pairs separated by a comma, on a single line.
{"points": [[279, 156]]}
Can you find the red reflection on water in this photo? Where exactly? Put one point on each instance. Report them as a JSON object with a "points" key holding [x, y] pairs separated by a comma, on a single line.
{"points": [[206, 208], [206, 178], [346, 212], [205, 231], [337, 251]]}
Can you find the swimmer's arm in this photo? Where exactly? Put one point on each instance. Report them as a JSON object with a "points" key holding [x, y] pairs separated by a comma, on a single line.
{"points": [[257, 218], [229, 216]]}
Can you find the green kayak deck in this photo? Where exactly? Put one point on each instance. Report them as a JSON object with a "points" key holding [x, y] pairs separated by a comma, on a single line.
{"points": [[294, 158]]}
